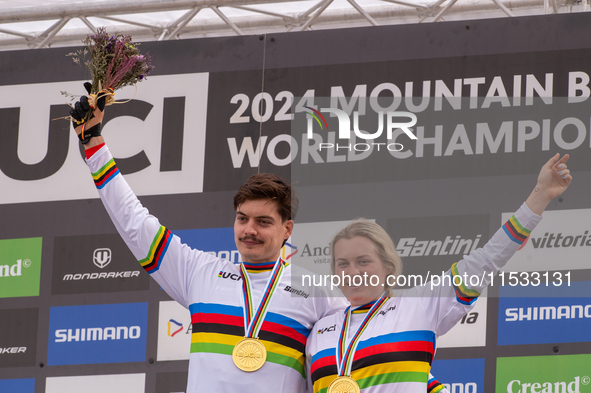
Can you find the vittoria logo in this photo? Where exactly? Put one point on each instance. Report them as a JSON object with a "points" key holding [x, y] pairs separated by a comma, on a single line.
{"points": [[332, 328], [102, 257], [558, 240]]}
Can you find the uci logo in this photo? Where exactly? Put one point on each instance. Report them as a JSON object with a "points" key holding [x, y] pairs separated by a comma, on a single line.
{"points": [[102, 257], [327, 329]]}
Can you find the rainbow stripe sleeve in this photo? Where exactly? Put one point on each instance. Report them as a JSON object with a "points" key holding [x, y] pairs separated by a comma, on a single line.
{"points": [[464, 294], [151, 263], [516, 231], [434, 386], [105, 174]]}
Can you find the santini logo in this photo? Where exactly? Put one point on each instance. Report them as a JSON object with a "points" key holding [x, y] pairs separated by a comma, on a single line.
{"points": [[98, 334], [550, 312], [410, 247], [14, 270], [516, 386]]}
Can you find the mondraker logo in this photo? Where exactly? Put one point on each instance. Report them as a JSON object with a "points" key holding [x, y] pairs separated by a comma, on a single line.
{"points": [[411, 247], [231, 276], [101, 257], [12, 350]]}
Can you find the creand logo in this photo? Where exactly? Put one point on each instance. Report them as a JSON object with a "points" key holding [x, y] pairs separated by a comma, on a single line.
{"points": [[345, 129], [574, 386], [14, 270]]}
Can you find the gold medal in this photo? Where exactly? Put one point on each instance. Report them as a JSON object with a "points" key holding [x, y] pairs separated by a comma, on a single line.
{"points": [[343, 385], [250, 354]]}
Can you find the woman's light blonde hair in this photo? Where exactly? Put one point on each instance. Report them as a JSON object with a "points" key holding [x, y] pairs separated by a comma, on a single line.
{"points": [[381, 240]]}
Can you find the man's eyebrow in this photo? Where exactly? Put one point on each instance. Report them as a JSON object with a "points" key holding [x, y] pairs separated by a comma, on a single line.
{"points": [[238, 212]]}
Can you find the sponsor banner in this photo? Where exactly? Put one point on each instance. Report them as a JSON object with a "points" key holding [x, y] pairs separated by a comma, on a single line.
{"points": [[563, 235], [20, 267], [18, 337], [548, 374], [26, 385], [513, 117], [216, 241], [430, 245], [470, 331], [117, 383], [97, 263], [310, 245], [171, 382], [174, 331], [157, 139], [104, 333], [532, 316], [460, 375]]}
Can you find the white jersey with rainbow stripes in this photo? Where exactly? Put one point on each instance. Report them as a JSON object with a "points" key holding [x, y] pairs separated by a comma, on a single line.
{"points": [[211, 288], [395, 352]]}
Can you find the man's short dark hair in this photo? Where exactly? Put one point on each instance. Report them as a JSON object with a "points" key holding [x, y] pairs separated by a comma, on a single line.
{"points": [[269, 186]]}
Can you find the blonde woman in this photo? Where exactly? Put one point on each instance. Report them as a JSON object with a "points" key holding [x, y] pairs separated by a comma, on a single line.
{"points": [[383, 343]]}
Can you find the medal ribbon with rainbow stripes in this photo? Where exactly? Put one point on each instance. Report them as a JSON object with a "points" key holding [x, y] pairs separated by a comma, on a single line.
{"points": [[250, 354], [345, 352]]}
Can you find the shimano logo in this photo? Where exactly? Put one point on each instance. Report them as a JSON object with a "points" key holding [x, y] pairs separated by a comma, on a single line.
{"points": [[13, 350], [327, 329], [411, 247], [557, 240], [98, 334], [297, 292], [103, 275], [516, 386], [549, 312]]}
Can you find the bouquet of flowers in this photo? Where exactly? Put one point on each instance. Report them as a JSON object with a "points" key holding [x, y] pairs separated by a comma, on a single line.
{"points": [[115, 62]]}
